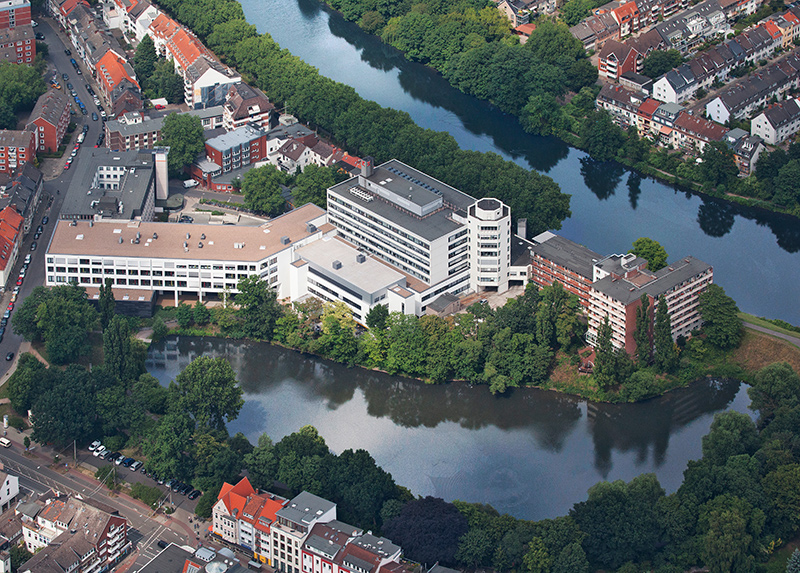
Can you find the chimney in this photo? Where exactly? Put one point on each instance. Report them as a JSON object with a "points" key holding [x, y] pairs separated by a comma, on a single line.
{"points": [[162, 174], [366, 167], [522, 228]]}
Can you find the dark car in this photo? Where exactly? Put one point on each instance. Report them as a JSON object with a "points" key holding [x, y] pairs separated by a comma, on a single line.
{"points": [[3, 322], [113, 457], [45, 220], [33, 248], [65, 77], [39, 36], [9, 357], [127, 462], [94, 116], [195, 494], [68, 52], [85, 128], [162, 544]]}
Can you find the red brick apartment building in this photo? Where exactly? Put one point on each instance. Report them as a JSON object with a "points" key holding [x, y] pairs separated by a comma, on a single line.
{"points": [[18, 45], [49, 120], [14, 13], [16, 149], [555, 258]]}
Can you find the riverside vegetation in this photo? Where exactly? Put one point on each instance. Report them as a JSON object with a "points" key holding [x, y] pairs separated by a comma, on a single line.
{"points": [[550, 85], [736, 507]]}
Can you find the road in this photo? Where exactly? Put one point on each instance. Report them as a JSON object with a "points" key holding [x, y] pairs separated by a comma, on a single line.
{"points": [[56, 181]]}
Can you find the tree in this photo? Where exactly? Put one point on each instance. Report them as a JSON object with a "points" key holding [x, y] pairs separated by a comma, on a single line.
{"points": [[165, 83], [601, 136], [604, 361], [774, 386], [312, 185], [620, 520], [183, 134], [428, 529], [665, 353], [258, 307], [208, 390], [262, 190], [474, 547], [537, 559], [27, 382], [201, 315], [24, 318], [160, 329], [721, 323], [184, 315], [572, 559], [641, 335], [787, 184], [19, 555], [651, 251], [119, 355], [66, 412], [782, 487], [793, 565], [576, 10], [731, 529], [377, 317], [144, 60], [543, 114], [718, 166], [731, 434], [106, 303], [168, 445], [659, 62]]}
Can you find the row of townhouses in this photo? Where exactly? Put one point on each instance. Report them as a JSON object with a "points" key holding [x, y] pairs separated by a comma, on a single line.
{"points": [[20, 193], [612, 286], [675, 23], [716, 64], [743, 97], [301, 535], [671, 125]]}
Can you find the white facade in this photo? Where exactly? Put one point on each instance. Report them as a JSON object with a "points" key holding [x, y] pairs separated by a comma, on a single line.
{"points": [[489, 222], [786, 123], [663, 91]]}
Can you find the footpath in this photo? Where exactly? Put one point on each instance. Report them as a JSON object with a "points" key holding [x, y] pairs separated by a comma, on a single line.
{"points": [[788, 337]]}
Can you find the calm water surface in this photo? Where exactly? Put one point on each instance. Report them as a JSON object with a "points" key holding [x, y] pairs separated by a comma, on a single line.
{"points": [[756, 256], [529, 453]]}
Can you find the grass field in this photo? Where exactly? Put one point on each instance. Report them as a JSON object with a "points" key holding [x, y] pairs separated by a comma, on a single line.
{"points": [[758, 350], [766, 324]]}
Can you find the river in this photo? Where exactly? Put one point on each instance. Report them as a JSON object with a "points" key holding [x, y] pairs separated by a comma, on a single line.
{"points": [[755, 254], [529, 453]]}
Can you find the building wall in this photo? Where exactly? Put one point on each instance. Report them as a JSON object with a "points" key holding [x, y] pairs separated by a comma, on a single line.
{"points": [[17, 14], [49, 136], [13, 156], [490, 245], [546, 272]]}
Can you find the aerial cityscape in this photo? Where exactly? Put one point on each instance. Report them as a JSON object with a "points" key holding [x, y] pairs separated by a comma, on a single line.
{"points": [[344, 286]]}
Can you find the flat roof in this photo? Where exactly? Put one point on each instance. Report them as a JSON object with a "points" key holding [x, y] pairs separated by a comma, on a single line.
{"points": [[369, 276], [665, 279], [220, 244], [404, 184], [84, 198], [304, 508], [521, 251], [566, 253]]}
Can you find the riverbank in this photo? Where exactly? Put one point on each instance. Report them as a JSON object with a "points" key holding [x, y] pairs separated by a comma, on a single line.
{"points": [[698, 361]]}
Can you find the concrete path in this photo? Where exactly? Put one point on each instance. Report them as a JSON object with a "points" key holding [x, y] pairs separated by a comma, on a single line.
{"points": [[788, 337]]}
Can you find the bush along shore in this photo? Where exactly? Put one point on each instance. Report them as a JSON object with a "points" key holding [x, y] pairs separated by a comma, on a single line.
{"points": [[534, 340], [473, 48]]}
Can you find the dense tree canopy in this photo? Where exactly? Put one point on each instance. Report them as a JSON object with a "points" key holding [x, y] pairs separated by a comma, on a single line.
{"points": [[659, 62], [262, 190], [651, 251], [183, 134], [207, 389], [721, 322]]}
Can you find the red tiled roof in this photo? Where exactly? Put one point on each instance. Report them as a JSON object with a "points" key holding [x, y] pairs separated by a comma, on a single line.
{"points": [[186, 48], [772, 29], [700, 127], [649, 107], [70, 5], [111, 70], [164, 26], [525, 29]]}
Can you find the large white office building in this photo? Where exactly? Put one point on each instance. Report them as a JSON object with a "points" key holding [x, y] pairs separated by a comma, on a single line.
{"points": [[392, 236]]}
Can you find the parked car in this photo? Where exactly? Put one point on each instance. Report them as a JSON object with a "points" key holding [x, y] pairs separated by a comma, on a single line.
{"points": [[34, 23], [99, 450], [33, 247], [39, 36], [104, 455], [65, 77], [9, 357], [136, 465], [85, 128], [127, 462], [94, 445], [94, 116], [68, 52], [162, 544], [45, 220], [194, 494], [116, 457], [3, 321]]}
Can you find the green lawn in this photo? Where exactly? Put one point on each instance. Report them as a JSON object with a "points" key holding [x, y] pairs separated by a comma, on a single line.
{"points": [[766, 324]]}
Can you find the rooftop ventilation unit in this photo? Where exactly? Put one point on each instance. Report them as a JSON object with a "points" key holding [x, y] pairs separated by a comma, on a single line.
{"points": [[155, 235], [285, 240], [336, 265], [360, 258], [311, 228]]}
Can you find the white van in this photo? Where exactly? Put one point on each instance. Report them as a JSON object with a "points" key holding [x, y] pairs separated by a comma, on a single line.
{"points": [[189, 183], [5, 442]]}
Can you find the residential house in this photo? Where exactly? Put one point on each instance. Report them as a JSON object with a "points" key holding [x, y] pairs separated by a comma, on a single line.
{"points": [[126, 97], [49, 120], [18, 45], [16, 148], [14, 13], [746, 150], [9, 484], [778, 122], [112, 69], [22, 190], [694, 26], [622, 103], [596, 30], [243, 105], [519, 12], [292, 525], [61, 9], [11, 233], [692, 133], [616, 58], [676, 86], [636, 82], [79, 536], [207, 82], [133, 131], [742, 98]]}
